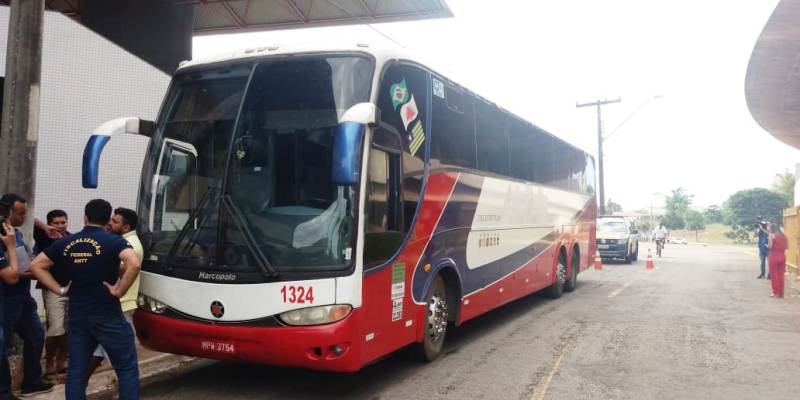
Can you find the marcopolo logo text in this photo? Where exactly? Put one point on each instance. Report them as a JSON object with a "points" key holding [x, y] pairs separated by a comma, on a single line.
{"points": [[218, 277]]}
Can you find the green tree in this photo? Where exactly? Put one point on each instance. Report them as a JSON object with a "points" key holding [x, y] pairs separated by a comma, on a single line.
{"points": [[742, 209], [784, 185], [672, 220], [612, 207], [713, 215], [695, 221], [678, 202], [643, 225]]}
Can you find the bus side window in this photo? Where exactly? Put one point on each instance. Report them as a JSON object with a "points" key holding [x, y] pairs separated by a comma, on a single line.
{"points": [[453, 129], [403, 102], [383, 233], [492, 128]]}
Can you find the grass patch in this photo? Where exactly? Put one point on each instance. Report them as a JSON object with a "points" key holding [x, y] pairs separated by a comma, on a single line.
{"points": [[713, 234]]}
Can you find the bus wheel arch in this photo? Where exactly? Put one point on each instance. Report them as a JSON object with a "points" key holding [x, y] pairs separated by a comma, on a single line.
{"points": [[452, 283]]}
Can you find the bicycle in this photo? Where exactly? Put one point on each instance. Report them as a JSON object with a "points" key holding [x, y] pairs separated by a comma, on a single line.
{"points": [[659, 246]]}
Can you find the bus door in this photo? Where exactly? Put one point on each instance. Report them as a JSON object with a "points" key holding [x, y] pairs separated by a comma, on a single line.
{"points": [[174, 186]]}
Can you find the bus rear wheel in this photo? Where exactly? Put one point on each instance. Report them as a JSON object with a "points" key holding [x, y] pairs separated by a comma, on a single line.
{"points": [[435, 322], [557, 288], [572, 283]]}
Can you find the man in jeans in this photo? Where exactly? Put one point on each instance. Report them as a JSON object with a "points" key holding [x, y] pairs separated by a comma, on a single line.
{"points": [[9, 273], [20, 310], [92, 258], [763, 248], [123, 222]]}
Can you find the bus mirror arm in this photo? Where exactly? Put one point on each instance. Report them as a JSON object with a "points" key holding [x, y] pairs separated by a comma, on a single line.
{"points": [[99, 139], [362, 113]]}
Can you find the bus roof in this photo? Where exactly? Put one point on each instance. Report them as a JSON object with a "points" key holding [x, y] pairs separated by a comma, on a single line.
{"points": [[381, 55]]}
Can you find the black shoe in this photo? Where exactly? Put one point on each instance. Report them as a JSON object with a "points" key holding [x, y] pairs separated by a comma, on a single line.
{"points": [[760, 277], [36, 389]]}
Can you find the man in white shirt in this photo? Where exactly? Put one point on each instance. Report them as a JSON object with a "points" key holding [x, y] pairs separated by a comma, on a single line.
{"points": [[660, 234]]}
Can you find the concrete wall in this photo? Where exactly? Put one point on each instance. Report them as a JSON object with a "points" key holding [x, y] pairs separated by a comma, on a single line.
{"points": [[87, 80]]}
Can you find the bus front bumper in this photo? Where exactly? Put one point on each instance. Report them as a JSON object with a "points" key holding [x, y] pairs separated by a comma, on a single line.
{"points": [[331, 347]]}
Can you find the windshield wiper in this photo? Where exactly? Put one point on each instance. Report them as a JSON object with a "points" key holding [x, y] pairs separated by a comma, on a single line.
{"points": [[191, 222], [240, 221]]}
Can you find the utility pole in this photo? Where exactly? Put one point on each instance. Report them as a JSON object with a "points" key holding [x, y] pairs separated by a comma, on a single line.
{"points": [[601, 185], [20, 118]]}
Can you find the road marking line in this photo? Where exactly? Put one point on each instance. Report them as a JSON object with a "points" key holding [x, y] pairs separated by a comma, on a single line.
{"points": [[618, 291], [541, 389], [751, 253]]}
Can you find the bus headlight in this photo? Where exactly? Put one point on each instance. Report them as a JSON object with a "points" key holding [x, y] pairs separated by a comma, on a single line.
{"points": [[151, 304], [316, 315]]}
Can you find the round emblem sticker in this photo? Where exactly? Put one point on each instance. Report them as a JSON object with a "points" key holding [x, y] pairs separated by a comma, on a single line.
{"points": [[217, 309]]}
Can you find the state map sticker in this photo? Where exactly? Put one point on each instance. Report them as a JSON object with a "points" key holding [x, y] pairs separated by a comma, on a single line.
{"points": [[399, 94]]}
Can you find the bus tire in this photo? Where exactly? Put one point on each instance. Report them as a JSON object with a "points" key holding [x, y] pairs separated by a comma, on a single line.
{"points": [[557, 288], [434, 322], [572, 283]]}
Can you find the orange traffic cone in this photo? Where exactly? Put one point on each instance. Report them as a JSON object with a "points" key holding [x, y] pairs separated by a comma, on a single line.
{"points": [[598, 262], [649, 263]]}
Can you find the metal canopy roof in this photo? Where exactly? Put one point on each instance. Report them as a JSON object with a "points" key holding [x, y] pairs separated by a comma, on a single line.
{"points": [[230, 16], [217, 16], [772, 84]]}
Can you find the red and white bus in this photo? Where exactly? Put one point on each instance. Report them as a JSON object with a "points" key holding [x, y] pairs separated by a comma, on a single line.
{"points": [[321, 208]]}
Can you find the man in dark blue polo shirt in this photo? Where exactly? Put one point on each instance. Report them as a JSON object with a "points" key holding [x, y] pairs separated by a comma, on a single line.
{"points": [[92, 257]]}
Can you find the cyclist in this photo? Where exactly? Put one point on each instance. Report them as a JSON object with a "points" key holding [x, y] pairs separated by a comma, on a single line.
{"points": [[660, 236]]}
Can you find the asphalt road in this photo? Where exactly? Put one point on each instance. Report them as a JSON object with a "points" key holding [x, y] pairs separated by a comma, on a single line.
{"points": [[699, 326]]}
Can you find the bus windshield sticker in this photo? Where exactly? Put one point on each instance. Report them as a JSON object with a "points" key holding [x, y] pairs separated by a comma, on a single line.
{"points": [[398, 280], [417, 138], [438, 88], [398, 290], [408, 112], [397, 309], [399, 93], [348, 253]]}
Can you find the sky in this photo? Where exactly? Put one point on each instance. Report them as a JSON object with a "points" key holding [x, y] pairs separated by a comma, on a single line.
{"points": [[678, 66]]}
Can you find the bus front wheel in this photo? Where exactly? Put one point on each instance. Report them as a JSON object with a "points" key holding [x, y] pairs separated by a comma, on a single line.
{"points": [[435, 321]]}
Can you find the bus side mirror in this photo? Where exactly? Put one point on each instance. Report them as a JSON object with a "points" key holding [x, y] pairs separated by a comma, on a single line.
{"points": [[101, 136], [346, 162]]}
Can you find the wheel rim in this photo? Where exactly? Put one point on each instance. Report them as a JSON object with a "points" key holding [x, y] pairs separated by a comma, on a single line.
{"points": [[561, 273], [437, 317]]}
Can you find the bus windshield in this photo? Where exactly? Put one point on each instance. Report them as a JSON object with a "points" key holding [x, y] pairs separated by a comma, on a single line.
{"points": [[241, 168]]}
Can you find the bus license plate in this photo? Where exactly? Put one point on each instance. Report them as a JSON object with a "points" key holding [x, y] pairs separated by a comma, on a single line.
{"points": [[218, 346], [603, 246]]}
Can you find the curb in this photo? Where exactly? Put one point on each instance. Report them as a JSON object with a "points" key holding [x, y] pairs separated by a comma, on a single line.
{"points": [[104, 385]]}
